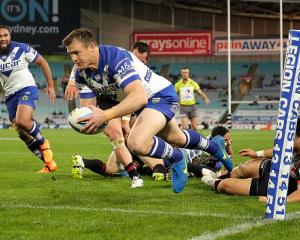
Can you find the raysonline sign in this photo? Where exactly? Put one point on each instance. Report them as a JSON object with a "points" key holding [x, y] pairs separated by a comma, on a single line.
{"points": [[176, 43]]}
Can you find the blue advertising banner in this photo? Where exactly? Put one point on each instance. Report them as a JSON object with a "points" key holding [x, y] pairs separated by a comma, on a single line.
{"points": [[40, 23]]}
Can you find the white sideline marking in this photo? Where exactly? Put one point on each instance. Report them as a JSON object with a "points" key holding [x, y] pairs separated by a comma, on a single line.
{"points": [[241, 228], [9, 139], [120, 210], [193, 214]]}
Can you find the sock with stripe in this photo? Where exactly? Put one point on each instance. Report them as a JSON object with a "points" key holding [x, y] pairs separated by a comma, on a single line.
{"points": [[35, 133], [196, 141], [163, 150]]}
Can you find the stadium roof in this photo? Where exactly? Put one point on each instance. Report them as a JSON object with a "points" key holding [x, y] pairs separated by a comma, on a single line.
{"points": [[247, 8]]}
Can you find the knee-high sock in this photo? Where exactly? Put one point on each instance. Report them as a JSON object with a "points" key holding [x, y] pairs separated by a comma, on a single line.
{"points": [[163, 150], [33, 146], [195, 140], [131, 169], [35, 132], [95, 165]]}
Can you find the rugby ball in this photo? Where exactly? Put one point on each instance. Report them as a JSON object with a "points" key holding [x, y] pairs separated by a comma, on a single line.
{"points": [[82, 112]]}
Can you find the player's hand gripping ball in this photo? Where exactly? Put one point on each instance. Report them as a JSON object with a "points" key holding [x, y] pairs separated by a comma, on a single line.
{"points": [[82, 112]]}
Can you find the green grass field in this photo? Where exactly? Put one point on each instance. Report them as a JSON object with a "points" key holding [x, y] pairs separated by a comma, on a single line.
{"points": [[33, 206]]}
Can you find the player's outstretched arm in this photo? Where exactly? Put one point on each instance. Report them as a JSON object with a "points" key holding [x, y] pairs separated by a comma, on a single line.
{"points": [[247, 152], [43, 64]]}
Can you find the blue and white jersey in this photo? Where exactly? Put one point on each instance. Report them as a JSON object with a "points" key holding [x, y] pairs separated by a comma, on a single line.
{"points": [[14, 72], [118, 68]]}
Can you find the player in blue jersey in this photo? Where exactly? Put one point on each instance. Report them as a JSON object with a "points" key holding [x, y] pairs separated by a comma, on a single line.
{"points": [[142, 51], [118, 74], [114, 131], [21, 94]]}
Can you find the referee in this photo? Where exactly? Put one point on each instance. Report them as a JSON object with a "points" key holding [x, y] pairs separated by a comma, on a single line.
{"points": [[186, 87]]}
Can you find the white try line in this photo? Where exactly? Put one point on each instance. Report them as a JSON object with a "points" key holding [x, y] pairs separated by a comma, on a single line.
{"points": [[241, 228], [9, 139], [128, 211]]}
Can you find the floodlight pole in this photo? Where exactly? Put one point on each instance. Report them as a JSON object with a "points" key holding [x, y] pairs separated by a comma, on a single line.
{"points": [[132, 16], [100, 21], [229, 64]]}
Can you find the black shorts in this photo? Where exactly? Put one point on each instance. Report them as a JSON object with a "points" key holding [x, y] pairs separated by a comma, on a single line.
{"points": [[106, 102], [293, 185], [259, 186], [264, 168]]}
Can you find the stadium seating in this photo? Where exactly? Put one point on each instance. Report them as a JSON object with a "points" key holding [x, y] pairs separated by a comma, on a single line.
{"points": [[212, 77], [57, 69], [50, 115], [56, 113]]}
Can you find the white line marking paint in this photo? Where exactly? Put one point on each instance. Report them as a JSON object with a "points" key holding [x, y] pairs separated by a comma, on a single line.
{"points": [[193, 214], [129, 211], [241, 228], [205, 236], [9, 139]]}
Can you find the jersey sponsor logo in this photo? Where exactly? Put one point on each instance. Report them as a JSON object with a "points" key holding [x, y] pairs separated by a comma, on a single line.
{"points": [[100, 84], [101, 89], [98, 88], [155, 100], [9, 65], [25, 97], [124, 67]]}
